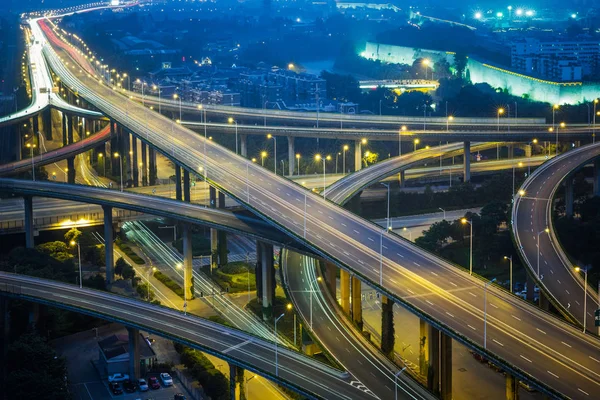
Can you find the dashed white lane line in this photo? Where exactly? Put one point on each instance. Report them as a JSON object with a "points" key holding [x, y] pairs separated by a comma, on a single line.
{"points": [[398, 254], [428, 302], [584, 392], [566, 344], [598, 361], [495, 341], [493, 305], [472, 327], [539, 330], [416, 263], [453, 284], [525, 358], [517, 318], [553, 374], [449, 314]]}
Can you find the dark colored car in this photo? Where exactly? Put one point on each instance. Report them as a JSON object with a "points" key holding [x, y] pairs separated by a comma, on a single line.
{"points": [[129, 386], [179, 396], [153, 383], [115, 388]]}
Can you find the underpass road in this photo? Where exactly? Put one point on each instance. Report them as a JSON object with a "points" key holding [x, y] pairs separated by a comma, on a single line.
{"points": [[423, 282]]}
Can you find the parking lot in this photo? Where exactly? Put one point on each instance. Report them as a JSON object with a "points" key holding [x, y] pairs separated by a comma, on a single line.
{"points": [[98, 390]]}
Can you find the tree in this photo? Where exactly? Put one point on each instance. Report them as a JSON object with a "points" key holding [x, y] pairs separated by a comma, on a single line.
{"points": [[72, 235], [127, 272], [120, 266], [460, 64], [34, 371], [370, 158], [57, 250]]}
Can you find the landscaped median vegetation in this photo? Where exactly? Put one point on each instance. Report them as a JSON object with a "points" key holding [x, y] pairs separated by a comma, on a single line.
{"points": [[213, 382], [170, 283], [234, 277], [124, 247]]}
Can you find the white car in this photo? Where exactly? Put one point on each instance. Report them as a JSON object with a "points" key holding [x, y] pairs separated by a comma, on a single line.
{"points": [[118, 377], [166, 379], [143, 385]]}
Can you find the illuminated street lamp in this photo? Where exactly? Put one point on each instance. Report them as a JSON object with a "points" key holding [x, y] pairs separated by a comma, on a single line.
{"points": [[31, 147], [520, 164], [101, 156], [405, 229], [185, 296], [269, 136], [402, 129], [116, 155], [263, 154], [298, 160], [585, 271], [509, 258], [157, 88], [470, 222], [176, 96], [73, 243], [594, 121], [426, 63], [500, 112], [450, 118], [319, 158], [554, 108], [416, 142], [345, 148], [561, 125]]}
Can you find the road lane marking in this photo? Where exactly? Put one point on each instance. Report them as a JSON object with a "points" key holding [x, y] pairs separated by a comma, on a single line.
{"points": [[472, 327], [453, 284], [449, 314], [371, 239], [493, 305], [416, 263], [398, 254], [237, 346], [598, 361], [494, 340], [472, 294], [357, 232], [553, 374], [434, 273], [584, 392], [428, 302], [566, 344], [525, 358], [517, 318], [539, 330], [410, 291]]}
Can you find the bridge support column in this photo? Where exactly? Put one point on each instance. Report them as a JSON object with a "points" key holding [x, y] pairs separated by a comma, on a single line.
{"points": [[71, 173], [236, 383], [510, 151], [28, 208], [134, 353], [244, 145], [144, 164], [529, 295], [212, 196], [108, 244], [5, 339], [345, 290], [187, 262], [512, 387], [134, 162], [47, 122], [402, 178], [114, 148], [36, 129], [543, 301], [569, 196], [330, 276], [387, 327], [178, 194], [596, 177], [357, 302], [33, 316], [222, 236], [70, 128], [357, 155], [445, 367], [214, 248], [467, 163], [268, 280], [152, 171], [291, 155], [187, 193]]}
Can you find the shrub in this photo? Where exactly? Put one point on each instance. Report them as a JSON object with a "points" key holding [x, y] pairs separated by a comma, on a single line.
{"points": [[170, 283]]}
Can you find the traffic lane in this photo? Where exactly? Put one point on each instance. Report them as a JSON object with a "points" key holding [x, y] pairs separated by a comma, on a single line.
{"points": [[255, 351], [335, 336]]}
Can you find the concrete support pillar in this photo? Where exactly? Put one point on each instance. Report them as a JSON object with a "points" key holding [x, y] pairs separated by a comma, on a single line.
{"points": [[65, 123], [28, 208], [291, 155], [357, 155], [357, 302], [511, 151], [212, 195], [596, 177], [387, 327], [236, 383], [244, 145], [402, 178], [445, 367], [47, 122], [152, 170], [221, 199], [268, 280], [134, 353], [214, 248], [467, 163], [512, 387], [543, 301], [528, 150], [345, 290], [36, 128], [71, 170], [258, 271], [70, 127], [433, 364], [222, 247], [569, 196], [187, 262], [114, 148], [187, 193], [33, 316], [5, 335], [330, 276], [108, 244], [134, 162], [178, 193], [530, 288], [144, 162]]}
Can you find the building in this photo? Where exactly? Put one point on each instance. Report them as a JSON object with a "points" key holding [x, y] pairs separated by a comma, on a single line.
{"points": [[114, 354], [555, 60]]}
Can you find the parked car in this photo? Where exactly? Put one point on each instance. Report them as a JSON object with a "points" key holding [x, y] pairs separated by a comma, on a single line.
{"points": [[179, 396], [115, 388], [129, 386], [153, 383], [118, 377], [143, 385], [166, 379]]}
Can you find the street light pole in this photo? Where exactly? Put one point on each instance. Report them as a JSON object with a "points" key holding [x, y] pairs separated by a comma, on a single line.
{"points": [[470, 222], [116, 155], [396, 383], [73, 243], [276, 359], [344, 159], [444, 211], [387, 185], [510, 273], [269, 136], [319, 158], [485, 312], [402, 129], [298, 158], [577, 269]]}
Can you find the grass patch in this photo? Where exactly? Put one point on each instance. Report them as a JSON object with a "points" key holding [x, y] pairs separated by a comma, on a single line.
{"points": [[170, 283], [233, 277], [124, 247]]}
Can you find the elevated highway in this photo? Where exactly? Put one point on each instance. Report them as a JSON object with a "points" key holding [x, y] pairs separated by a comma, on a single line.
{"points": [[438, 292], [532, 214], [252, 353]]}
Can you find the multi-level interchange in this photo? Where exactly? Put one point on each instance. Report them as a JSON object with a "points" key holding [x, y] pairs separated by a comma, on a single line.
{"points": [[555, 357]]}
